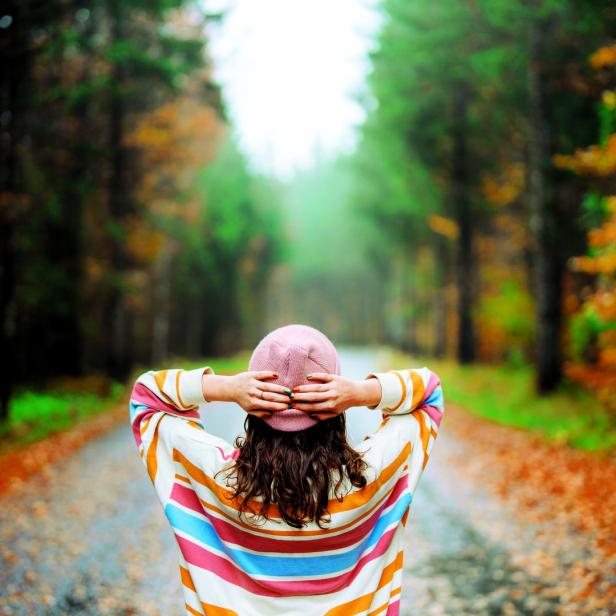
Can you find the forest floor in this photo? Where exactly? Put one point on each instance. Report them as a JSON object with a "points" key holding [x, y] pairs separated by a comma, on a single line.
{"points": [[501, 524]]}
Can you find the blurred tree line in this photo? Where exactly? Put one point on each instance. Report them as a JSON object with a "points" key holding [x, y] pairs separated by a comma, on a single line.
{"points": [[476, 114], [130, 225], [475, 219]]}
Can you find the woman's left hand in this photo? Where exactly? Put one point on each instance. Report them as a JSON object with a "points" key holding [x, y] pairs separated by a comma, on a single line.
{"points": [[328, 395]]}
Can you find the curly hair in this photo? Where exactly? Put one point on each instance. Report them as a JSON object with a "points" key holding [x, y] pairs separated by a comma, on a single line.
{"points": [[295, 471]]}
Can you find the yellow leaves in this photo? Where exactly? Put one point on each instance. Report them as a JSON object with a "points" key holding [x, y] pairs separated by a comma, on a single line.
{"points": [[600, 264], [603, 57], [596, 160], [176, 141], [443, 226], [609, 99], [505, 188], [142, 243]]}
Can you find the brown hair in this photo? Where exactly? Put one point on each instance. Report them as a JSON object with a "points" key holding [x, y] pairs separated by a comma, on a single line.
{"points": [[294, 470]]}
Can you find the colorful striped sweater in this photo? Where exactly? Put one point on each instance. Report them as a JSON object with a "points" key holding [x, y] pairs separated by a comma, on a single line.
{"points": [[229, 566]]}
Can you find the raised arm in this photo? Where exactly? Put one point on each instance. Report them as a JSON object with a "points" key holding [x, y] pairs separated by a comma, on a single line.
{"points": [[175, 392], [164, 408], [410, 401], [412, 408]]}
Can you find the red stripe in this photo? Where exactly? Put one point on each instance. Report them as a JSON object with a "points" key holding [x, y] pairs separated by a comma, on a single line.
{"points": [[231, 534], [142, 395], [201, 557], [393, 609]]}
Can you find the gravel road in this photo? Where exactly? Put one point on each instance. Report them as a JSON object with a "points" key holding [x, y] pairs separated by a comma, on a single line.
{"points": [[80, 538]]}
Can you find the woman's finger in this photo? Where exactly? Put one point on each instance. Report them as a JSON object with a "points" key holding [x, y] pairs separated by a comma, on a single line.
{"points": [[314, 396], [261, 414], [280, 389], [312, 387], [263, 374], [314, 407], [274, 397], [324, 377], [269, 406]]}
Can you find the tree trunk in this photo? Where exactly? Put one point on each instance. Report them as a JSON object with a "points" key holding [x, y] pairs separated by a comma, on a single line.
{"points": [[440, 296], [13, 83], [118, 360], [462, 209], [162, 307], [546, 258]]}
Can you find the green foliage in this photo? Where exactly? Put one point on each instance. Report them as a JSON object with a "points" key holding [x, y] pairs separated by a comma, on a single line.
{"points": [[34, 414], [510, 310], [594, 210]]}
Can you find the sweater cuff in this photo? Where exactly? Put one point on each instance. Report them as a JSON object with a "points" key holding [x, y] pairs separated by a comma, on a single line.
{"points": [[190, 389], [391, 391]]}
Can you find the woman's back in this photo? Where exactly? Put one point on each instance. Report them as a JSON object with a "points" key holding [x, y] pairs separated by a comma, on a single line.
{"points": [[232, 563]]}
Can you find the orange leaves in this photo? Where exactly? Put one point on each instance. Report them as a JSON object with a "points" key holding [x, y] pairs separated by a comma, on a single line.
{"points": [[143, 243], [603, 57], [443, 226], [176, 141], [596, 160], [505, 188], [603, 241]]}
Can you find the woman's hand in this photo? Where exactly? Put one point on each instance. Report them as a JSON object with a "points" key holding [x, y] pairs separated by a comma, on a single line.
{"points": [[251, 390], [331, 394]]}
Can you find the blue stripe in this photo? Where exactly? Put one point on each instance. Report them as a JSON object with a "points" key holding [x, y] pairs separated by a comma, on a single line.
{"points": [[136, 407], [301, 566], [435, 398]]}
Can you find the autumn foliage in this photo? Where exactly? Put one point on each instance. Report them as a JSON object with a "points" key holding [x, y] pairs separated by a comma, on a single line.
{"points": [[595, 319]]}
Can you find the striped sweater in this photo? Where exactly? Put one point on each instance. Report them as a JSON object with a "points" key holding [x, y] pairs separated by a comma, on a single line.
{"points": [[230, 566]]}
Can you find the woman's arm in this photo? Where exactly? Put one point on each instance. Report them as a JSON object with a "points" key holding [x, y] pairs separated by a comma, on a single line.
{"points": [[164, 413], [410, 401], [251, 390], [329, 394]]}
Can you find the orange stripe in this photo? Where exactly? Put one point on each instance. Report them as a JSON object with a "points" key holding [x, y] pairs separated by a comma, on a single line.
{"points": [[365, 601], [403, 398], [159, 378], [295, 533], [194, 424], [182, 478], [424, 431], [351, 501], [186, 578], [151, 460], [383, 607], [418, 388], [177, 389], [214, 610], [193, 611], [145, 425]]}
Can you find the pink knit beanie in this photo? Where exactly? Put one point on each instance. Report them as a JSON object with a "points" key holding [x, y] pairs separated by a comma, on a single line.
{"points": [[293, 352]]}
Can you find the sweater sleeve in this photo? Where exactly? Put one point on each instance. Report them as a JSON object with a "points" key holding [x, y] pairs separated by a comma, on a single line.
{"points": [[412, 408], [165, 421]]}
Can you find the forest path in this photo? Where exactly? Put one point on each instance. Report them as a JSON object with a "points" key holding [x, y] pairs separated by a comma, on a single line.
{"points": [[80, 539]]}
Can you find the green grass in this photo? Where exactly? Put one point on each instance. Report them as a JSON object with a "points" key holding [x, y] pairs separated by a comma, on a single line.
{"points": [[36, 414], [505, 394], [33, 415]]}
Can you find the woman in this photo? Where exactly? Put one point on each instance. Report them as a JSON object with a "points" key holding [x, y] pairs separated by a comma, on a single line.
{"points": [[292, 521]]}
